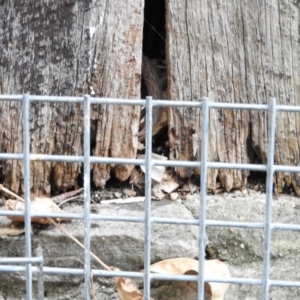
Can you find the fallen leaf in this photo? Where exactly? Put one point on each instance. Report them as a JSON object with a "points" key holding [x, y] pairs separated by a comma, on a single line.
{"points": [[181, 266], [39, 205], [127, 289], [216, 268], [11, 230]]}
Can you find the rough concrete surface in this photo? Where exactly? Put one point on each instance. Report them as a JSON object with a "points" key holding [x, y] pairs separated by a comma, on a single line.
{"points": [[121, 244], [243, 248]]}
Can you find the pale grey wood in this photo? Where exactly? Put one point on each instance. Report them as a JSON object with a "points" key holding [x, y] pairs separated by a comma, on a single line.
{"points": [[69, 48], [234, 51]]}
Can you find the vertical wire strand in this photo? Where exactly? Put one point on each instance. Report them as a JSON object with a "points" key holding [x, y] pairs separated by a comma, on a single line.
{"points": [[269, 196], [40, 274], [27, 217], [203, 184], [147, 208], [87, 192]]}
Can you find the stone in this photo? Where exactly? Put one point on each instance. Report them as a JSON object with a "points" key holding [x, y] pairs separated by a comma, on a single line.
{"points": [[121, 244]]}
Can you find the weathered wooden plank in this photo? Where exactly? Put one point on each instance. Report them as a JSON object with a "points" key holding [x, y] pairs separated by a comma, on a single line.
{"points": [[234, 52], [69, 48]]}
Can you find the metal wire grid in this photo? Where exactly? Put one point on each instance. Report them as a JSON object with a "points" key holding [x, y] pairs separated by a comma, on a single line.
{"points": [[267, 225]]}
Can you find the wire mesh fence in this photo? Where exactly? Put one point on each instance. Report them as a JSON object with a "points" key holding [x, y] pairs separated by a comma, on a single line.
{"points": [[34, 264]]}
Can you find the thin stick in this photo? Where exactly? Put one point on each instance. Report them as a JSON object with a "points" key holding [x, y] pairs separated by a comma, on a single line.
{"points": [[155, 30], [10, 193], [79, 244], [61, 229], [68, 200]]}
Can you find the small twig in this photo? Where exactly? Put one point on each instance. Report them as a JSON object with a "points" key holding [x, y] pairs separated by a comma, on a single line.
{"points": [[155, 30], [79, 244], [10, 193], [72, 199], [68, 200], [61, 229], [60, 198]]}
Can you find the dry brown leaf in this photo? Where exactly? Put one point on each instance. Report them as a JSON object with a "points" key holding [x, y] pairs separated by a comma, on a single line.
{"points": [[127, 289], [39, 205], [177, 266], [216, 268], [181, 266], [11, 230]]}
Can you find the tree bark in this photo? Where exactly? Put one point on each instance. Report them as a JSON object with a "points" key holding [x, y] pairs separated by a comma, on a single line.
{"points": [[69, 48], [236, 51]]}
